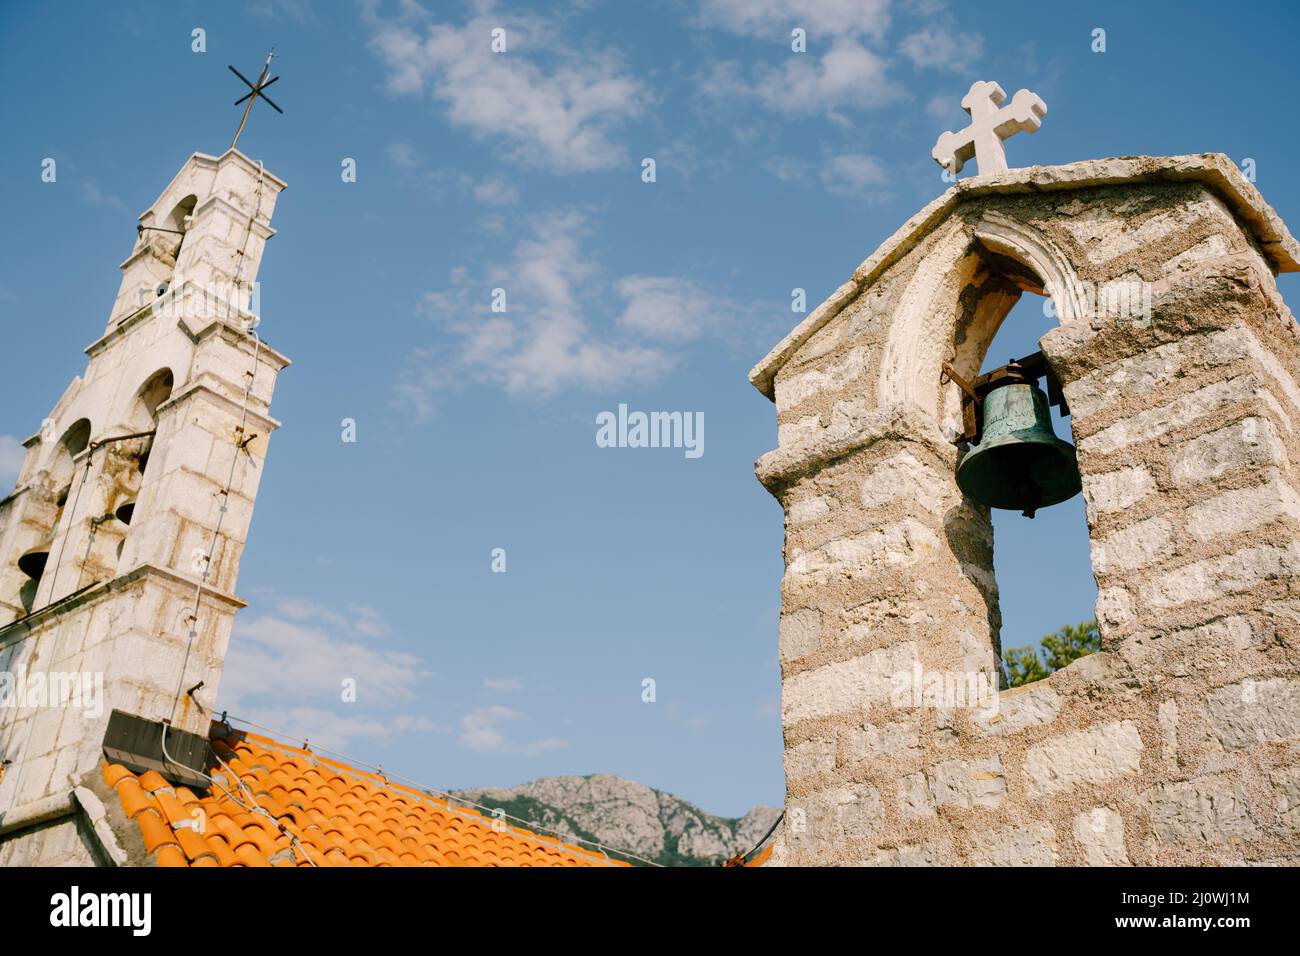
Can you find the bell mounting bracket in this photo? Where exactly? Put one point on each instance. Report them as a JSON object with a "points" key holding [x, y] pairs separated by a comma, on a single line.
{"points": [[1021, 371]]}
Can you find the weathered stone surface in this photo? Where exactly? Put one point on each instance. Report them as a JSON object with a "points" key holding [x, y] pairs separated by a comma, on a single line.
{"points": [[1205, 580], [841, 813], [1211, 645], [1254, 711], [846, 685], [810, 758], [1100, 832], [800, 633], [1117, 490], [808, 509], [1150, 373], [914, 797], [902, 543], [967, 783], [1030, 706], [1167, 715], [801, 387], [1233, 512], [1089, 756], [1134, 547], [930, 853], [871, 740], [1249, 443], [1207, 810], [1286, 790], [904, 477], [1157, 421], [1114, 606], [1032, 845]]}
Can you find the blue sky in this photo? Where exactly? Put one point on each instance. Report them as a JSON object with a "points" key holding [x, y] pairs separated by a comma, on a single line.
{"points": [[775, 170]]}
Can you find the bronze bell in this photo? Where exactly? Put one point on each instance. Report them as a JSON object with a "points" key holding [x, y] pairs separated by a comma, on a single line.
{"points": [[32, 562], [1019, 463]]}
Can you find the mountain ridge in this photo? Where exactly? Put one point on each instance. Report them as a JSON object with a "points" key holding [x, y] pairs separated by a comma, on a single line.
{"points": [[626, 816]]}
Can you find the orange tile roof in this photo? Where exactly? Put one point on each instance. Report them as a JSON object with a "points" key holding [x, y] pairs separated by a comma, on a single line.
{"points": [[340, 816]]}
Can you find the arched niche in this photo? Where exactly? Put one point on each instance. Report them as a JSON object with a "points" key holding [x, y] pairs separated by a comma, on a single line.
{"points": [[954, 305]]}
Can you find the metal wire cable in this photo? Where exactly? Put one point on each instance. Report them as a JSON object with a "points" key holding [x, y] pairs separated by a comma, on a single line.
{"points": [[255, 808], [239, 446]]}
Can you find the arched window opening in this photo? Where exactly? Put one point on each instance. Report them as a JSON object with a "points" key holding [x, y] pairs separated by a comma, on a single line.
{"points": [[164, 240], [59, 477], [1043, 567], [130, 459], [176, 224]]}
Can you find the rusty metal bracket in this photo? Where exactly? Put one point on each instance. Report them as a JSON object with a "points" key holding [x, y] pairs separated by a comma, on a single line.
{"points": [[970, 404]]}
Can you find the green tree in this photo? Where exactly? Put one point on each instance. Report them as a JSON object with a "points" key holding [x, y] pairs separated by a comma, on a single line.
{"points": [[1024, 665]]}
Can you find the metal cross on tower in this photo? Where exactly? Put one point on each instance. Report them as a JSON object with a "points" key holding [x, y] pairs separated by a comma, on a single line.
{"points": [[255, 90]]}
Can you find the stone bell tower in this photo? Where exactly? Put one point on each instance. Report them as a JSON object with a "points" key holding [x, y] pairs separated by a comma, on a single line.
{"points": [[120, 545], [1174, 744]]}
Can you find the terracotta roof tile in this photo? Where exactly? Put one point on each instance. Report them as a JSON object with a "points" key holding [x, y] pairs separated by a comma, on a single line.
{"points": [[338, 816], [171, 856], [132, 795]]}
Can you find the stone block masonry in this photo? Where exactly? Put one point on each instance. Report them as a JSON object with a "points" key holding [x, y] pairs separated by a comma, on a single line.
{"points": [[1178, 742]]}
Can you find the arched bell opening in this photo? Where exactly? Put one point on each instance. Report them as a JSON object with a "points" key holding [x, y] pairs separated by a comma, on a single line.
{"points": [[57, 482], [166, 237], [1020, 460], [128, 460]]}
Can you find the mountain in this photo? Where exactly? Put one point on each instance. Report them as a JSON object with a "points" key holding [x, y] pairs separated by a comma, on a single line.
{"points": [[629, 816]]}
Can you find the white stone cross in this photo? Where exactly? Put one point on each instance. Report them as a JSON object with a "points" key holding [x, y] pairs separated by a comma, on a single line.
{"points": [[989, 126]]}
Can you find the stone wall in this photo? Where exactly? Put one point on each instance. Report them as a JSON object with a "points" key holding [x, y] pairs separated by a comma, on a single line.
{"points": [[1178, 742]]}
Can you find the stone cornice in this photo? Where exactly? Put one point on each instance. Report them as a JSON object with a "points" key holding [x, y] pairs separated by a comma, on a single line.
{"points": [[198, 388], [1214, 169], [17, 630], [901, 422]]}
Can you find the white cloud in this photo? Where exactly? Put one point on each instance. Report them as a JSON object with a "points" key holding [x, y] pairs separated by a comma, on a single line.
{"points": [[502, 683], [932, 48], [402, 155], [495, 192], [294, 11], [285, 670], [854, 175], [12, 455], [556, 103], [778, 17], [97, 197], [668, 309], [851, 175], [543, 342], [293, 656], [483, 729], [847, 75], [333, 731], [942, 108]]}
